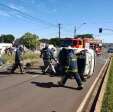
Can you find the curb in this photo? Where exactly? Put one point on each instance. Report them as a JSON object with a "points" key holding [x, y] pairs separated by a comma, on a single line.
{"points": [[102, 92], [82, 105]]}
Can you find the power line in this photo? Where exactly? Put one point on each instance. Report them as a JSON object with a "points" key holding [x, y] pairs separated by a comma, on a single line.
{"points": [[25, 15], [29, 17]]}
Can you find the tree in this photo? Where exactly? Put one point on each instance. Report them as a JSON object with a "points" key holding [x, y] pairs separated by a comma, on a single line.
{"points": [[9, 38], [31, 41], [44, 40], [55, 41], [85, 36]]}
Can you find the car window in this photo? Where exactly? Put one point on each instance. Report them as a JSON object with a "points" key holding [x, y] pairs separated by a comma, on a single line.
{"points": [[110, 49]]}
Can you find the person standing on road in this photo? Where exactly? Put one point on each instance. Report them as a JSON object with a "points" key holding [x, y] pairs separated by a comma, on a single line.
{"points": [[47, 56], [18, 60], [68, 61]]}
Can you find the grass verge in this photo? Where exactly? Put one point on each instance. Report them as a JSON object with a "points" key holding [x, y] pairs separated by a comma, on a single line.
{"points": [[28, 56], [107, 104]]}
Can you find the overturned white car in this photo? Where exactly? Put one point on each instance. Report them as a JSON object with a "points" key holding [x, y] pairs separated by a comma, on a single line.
{"points": [[86, 55]]}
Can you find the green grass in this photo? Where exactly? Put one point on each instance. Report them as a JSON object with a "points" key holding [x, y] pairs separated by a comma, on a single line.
{"points": [[30, 55], [8, 58], [107, 104]]}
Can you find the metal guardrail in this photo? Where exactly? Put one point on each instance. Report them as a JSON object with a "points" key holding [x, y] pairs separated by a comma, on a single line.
{"points": [[103, 89], [89, 102]]}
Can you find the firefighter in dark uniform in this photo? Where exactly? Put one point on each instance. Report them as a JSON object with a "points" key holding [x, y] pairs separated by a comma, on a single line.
{"points": [[18, 60], [47, 55], [69, 65]]}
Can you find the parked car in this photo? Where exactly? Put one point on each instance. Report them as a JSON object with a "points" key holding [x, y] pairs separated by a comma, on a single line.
{"points": [[110, 50]]}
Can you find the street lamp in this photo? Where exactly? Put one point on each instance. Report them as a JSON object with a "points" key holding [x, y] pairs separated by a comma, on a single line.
{"points": [[75, 28]]}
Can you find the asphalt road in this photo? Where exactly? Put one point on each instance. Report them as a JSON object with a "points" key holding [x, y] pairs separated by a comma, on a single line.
{"points": [[34, 92]]}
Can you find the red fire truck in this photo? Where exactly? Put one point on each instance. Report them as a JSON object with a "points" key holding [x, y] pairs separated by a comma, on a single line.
{"points": [[96, 44]]}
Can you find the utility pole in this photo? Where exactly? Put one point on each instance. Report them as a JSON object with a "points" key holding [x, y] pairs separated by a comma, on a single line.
{"points": [[59, 27], [75, 31], [77, 28]]}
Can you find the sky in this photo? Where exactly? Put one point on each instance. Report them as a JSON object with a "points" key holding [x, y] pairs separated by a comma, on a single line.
{"points": [[43, 16]]}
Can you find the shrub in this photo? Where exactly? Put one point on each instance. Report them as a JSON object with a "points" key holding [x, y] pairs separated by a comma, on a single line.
{"points": [[9, 59]]}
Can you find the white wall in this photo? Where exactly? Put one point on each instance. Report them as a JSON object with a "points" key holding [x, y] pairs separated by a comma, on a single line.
{"points": [[3, 46]]}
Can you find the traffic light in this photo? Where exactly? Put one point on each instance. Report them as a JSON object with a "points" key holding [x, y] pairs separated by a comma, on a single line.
{"points": [[100, 30]]}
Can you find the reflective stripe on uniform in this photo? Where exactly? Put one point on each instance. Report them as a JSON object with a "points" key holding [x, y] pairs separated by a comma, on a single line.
{"points": [[66, 68], [73, 70], [70, 70], [73, 59]]}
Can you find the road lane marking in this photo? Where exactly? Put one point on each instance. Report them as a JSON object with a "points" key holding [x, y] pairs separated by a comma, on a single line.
{"points": [[35, 75]]}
